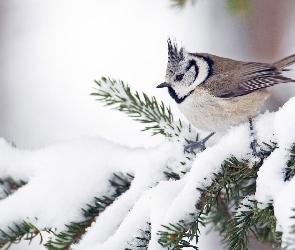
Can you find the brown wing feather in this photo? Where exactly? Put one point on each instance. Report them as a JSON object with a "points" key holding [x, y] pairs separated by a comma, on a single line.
{"points": [[248, 78], [285, 62]]}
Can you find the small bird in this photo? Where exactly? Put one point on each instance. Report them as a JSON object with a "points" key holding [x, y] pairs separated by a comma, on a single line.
{"points": [[215, 93]]}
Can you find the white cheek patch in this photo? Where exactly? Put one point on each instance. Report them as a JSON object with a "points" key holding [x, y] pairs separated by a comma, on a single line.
{"points": [[183, 90], [203, 71], [190, 77]]}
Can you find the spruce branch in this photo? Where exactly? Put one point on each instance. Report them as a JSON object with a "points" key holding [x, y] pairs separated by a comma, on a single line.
{"points": [[17, 232], [234, 6], [156, 116], [251, 220], [75, 230], [288, 175], [290, 169], [178, 236], [146, 110], [290, 241], [232, 171], [8, 186], [119, 183], [265, 223], [228, 188], [141, 241], [181, 3], [268, 148]]}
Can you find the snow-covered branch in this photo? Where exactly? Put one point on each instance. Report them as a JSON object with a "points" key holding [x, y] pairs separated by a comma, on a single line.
{"points": [[92, 194]]}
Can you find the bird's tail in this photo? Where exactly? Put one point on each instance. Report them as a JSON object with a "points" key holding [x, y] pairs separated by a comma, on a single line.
{"points": [[285, 62]]}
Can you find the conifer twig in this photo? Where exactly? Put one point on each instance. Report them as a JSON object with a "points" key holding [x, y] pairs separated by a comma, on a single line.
{"points": [[120, 183], [233, 183], [156, 116]]}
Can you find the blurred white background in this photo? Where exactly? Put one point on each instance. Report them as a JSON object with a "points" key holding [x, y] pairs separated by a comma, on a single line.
{"points": [[51, 51]]}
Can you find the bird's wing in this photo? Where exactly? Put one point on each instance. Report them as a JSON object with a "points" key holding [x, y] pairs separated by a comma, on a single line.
{"points": [[244, 80]]}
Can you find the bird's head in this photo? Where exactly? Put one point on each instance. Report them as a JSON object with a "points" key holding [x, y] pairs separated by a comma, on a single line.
{"points": [[185, 71]]}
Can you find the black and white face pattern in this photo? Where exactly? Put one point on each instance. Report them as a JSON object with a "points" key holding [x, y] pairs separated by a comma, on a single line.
{"points": [[185, 71]]}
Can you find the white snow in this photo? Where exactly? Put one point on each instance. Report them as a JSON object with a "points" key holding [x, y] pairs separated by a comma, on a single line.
{"points": [[205, 164], [54, 193], [52, 51], [245, 206], [55, 196], [284, 124], [270, 182]]}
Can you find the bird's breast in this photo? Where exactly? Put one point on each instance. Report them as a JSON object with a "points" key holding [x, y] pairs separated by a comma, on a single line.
{"points": [[214, 114]]}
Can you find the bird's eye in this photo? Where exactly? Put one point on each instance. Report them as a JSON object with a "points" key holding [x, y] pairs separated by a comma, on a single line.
{"points": [[179, 77]]}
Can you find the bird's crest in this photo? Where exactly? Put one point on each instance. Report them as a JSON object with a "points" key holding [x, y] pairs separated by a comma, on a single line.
{"points": [[176, 57]]}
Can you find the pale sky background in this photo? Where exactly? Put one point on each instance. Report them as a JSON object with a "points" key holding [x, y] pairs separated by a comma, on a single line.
{"points": [[51, 51]]}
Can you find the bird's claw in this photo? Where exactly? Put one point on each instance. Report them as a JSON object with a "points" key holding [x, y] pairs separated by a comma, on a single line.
{"points": [[192, 145], [255, 149], [197, 144]]}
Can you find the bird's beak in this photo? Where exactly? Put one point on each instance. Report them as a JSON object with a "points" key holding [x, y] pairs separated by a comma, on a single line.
{"points": [[163, 85]]}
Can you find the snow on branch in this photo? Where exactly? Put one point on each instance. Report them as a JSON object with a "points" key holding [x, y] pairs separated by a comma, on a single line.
{"points": [[92, 194], [120, 183], [63, 181]]}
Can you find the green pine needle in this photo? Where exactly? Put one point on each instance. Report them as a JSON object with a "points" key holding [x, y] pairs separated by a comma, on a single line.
{"points": [[17, 232], [119, 183], [229, 187], [290, 169], [9, 186], [147, 110]]}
